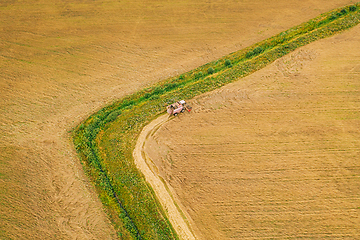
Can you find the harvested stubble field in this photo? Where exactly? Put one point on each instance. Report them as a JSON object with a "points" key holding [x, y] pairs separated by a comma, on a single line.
{"points": [[61, 61], [274, 155]]}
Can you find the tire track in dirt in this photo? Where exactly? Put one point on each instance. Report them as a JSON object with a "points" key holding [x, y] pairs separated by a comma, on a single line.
{"points": [[165, 198]]}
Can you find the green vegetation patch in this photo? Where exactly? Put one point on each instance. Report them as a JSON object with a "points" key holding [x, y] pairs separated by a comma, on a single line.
{"points": [[105, 141]]}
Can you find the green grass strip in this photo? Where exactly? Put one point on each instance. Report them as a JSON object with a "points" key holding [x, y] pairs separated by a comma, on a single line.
{"points": [[105, 141]]}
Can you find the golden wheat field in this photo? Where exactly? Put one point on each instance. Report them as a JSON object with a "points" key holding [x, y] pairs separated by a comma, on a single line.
{"points": [[283, 149]]}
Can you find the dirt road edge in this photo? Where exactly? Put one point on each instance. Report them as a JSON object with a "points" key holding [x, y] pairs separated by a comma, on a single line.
{"points": [[158, 186]]}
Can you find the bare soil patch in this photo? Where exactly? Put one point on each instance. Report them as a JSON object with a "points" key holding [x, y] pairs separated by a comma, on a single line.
{"points": [[61, 61], [274, 155]]}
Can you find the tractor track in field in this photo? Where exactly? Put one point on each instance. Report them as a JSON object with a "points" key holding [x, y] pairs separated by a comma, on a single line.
{"points": [[172, 209]]}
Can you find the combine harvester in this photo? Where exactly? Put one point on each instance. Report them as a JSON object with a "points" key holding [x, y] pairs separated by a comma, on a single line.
{"points": [[178, 107]]}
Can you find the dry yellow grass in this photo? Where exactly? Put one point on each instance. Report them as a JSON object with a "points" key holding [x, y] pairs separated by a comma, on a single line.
{"points": [[60, 61], [275, 155]]}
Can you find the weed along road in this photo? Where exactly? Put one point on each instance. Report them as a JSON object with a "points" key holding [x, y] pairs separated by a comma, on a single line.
{"points": [[174, 213]]}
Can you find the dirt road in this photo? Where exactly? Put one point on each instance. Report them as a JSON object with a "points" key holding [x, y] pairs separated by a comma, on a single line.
{"points": [[144, 163]]}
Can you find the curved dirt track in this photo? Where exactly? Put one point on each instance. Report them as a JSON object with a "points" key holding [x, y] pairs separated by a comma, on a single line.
{"points": [[164, 196]]}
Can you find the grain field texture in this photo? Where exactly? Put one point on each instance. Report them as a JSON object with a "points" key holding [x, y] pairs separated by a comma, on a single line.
{"points": [[60, 61], [274, 155]]}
